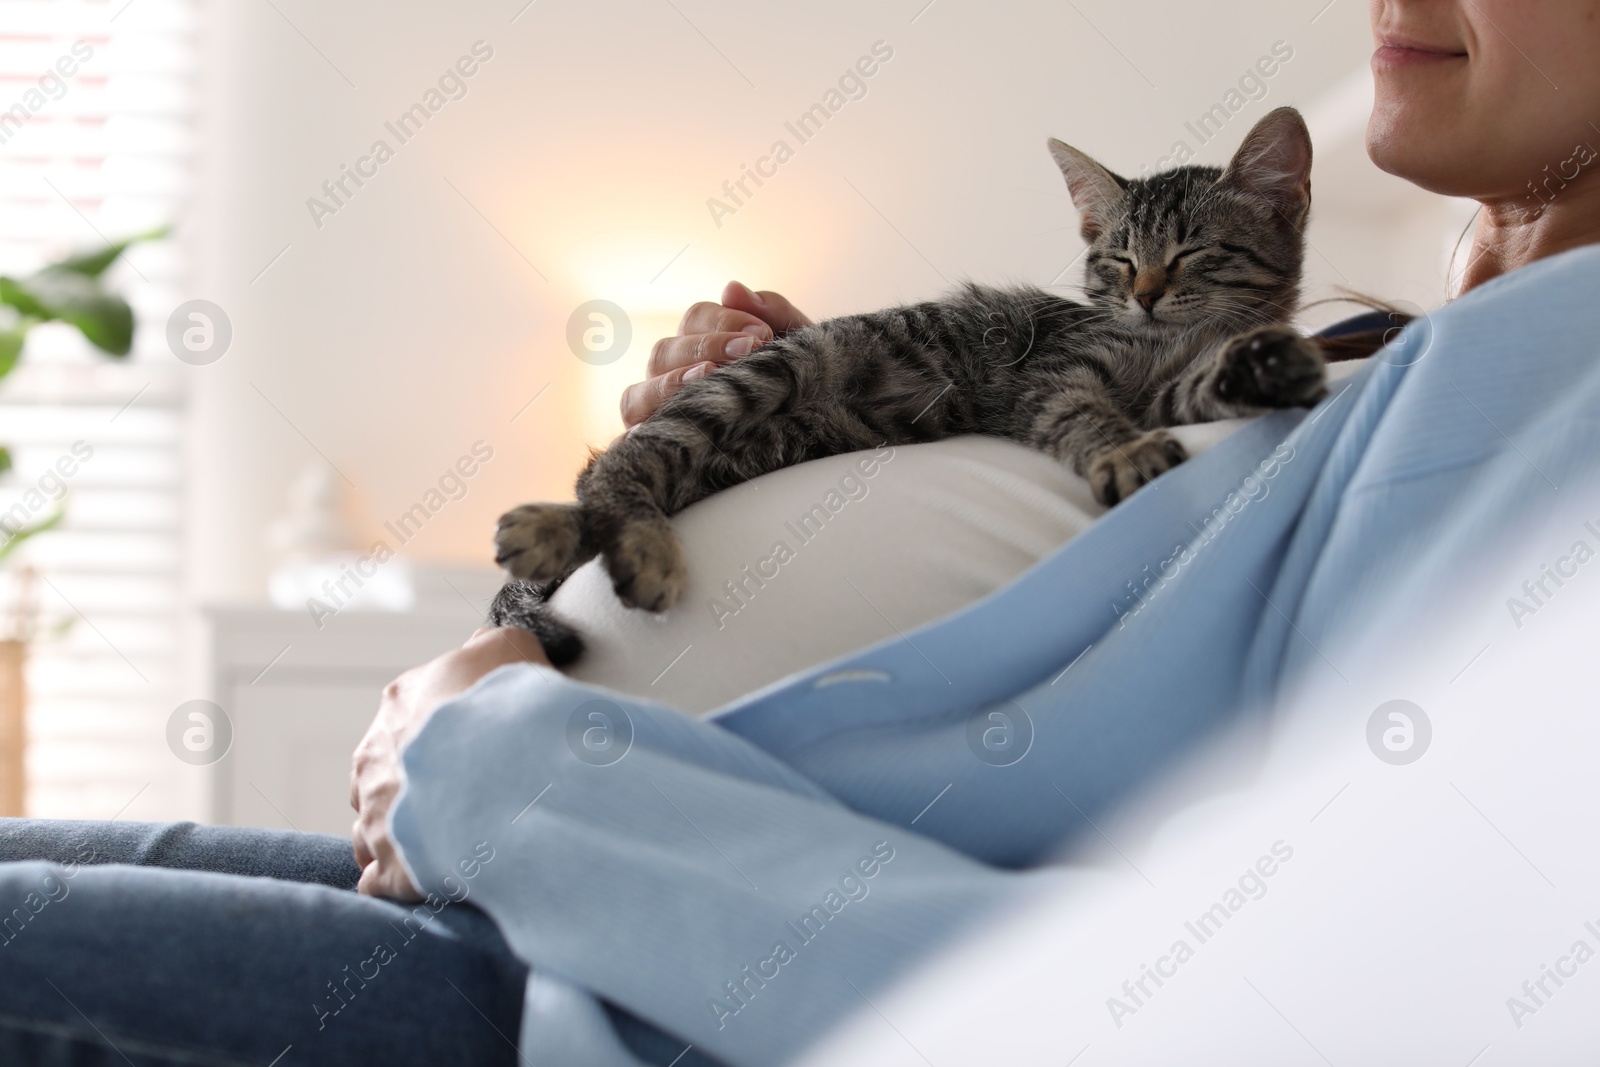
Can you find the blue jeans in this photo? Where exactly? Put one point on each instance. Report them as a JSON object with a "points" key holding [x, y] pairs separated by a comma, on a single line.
{"points": [[159, 945]]}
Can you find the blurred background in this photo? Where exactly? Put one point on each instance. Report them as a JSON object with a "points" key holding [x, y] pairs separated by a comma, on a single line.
{"points": [[397, 217]]}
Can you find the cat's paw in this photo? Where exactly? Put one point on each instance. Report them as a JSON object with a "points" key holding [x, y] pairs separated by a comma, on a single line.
{"points": [[646, 564], [1271, 367], [1115, 473], [540, 542]]}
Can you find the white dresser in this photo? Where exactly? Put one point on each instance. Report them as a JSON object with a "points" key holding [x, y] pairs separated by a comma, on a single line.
{"points": [[299, 698]]}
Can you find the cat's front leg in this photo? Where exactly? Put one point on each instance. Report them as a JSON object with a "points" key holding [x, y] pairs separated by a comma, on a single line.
{"points": [[1080, 424], [1268, 368]]}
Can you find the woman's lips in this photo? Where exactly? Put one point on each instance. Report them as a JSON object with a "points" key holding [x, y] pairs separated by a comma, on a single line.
{"points": [[1405, 54]]}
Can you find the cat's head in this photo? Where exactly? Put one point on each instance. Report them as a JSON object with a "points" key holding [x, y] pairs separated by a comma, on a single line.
{"points": [[1199, 243]]}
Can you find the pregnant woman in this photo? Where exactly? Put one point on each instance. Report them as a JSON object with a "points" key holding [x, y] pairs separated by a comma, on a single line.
{"points": [[723, 889]]}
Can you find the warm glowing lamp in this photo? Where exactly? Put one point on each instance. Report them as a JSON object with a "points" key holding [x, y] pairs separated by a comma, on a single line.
{"points": [[652, 290]]}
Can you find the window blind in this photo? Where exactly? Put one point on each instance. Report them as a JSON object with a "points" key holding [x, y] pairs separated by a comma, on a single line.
{"points": [[95, 132]]}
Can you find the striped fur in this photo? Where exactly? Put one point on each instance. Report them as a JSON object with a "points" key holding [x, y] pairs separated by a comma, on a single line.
{"points": [[1191, 277]]}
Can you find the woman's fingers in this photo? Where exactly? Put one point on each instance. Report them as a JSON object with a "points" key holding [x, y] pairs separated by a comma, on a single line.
{"points": [[641, 399], [382, 873], [771, 308], [709, 336], [710, 317], [673, 357], [377, 773], [359, 840], [388, 880], [685, 350]]}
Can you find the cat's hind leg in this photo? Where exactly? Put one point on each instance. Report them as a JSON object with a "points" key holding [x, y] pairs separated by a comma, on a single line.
{"points": [[751, 417], [617, 517], [643, 557], [716, 432], [542, 542]]}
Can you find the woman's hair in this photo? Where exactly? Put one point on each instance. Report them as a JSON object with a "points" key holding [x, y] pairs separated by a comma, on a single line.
{"points": [[1450, 269], [1361, 343]]}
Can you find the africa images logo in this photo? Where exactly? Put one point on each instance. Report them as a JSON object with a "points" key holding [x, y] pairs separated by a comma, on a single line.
{"points": [[1399, 732], [199, 732]]}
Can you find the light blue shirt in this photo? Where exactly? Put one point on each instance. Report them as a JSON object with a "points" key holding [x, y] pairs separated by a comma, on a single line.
{"points": [[746, 881]]}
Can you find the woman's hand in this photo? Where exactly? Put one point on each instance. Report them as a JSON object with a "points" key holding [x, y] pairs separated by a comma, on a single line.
{"points": [[376, 774], [710, 335]]}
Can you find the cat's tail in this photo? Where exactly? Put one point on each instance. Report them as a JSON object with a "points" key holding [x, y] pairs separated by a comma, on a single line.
{"points": [[525, 605]]}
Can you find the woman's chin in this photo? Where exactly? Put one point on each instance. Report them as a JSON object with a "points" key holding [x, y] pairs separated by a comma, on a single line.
{"points": [[1415, 150]]}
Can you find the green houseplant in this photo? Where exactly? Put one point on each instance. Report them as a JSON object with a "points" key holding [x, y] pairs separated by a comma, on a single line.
{"points": [[70, 291]]}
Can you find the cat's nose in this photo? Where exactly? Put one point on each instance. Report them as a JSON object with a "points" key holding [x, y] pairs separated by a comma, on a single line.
{"points": [[1147, 297]]}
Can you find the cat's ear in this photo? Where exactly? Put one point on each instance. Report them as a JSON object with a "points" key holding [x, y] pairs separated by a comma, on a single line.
{"points": [[1095, 190], [1274, 162]]}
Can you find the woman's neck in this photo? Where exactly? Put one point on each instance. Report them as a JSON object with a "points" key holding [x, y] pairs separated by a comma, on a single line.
{"points": [[1514, 233]]}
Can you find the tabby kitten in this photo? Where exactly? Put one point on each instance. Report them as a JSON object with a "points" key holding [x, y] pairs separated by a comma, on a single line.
{"points": [[1192, 275]]}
